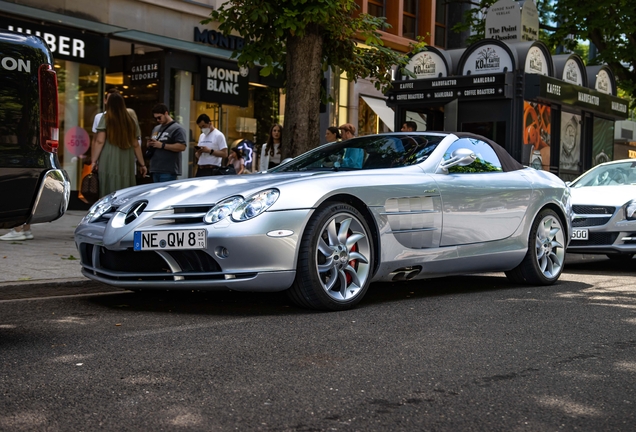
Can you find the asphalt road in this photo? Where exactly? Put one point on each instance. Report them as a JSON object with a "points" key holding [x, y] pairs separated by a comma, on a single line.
{"points": [[452, 354]]}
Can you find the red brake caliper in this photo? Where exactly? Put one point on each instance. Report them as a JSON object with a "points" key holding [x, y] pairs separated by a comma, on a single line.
{"points": [[352, 263]]}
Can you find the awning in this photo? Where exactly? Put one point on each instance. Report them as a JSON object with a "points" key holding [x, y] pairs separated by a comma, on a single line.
{"points": [[171, 43], [112, 31], [379, 107]]}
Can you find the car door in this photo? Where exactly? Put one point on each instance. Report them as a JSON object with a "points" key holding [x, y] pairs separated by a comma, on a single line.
{"points": [[480, 202]]}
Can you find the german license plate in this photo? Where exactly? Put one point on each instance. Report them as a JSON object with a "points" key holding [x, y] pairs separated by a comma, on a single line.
{"points": [[168, 240], [579, 234]]}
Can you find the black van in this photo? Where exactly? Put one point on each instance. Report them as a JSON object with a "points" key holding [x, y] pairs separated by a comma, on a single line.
{"points": [[33, 186]]}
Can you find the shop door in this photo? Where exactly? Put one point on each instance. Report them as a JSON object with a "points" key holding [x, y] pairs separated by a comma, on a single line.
{"points": [[490, 119]]}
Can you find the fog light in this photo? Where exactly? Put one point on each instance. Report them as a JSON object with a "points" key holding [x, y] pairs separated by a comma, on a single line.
{"points": [[221, 252]]}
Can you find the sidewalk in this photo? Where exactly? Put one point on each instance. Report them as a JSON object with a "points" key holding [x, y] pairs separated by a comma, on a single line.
{"points": [[51, 257]]}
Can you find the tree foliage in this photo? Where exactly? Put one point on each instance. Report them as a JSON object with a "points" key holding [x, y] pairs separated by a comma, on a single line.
{"points": [[302, 38], [609, 24]]}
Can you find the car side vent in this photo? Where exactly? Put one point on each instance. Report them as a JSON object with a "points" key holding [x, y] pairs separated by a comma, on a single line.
{"points": [[135, 211]]}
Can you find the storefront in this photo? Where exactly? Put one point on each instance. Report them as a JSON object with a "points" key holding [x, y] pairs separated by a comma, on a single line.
{"points": [[190, 71], [511, 94]]}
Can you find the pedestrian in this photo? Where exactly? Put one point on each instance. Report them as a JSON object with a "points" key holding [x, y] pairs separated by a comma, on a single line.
{"points": [[99, 115], [347, 131], [237, 160], [332, 134], [409, 126], [211, 148], [116, 148], [22, 232], [271, 150], [165, 146], [353, 157]]}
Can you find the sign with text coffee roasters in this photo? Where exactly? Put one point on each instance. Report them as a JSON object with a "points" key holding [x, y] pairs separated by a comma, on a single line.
{"points": [[223, 82]]}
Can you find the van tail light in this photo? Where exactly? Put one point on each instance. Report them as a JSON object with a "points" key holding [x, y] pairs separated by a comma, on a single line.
{"points": [[49, 127]]}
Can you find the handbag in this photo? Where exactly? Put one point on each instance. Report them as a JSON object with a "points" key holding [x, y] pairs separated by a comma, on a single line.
{"points": [[227, 170], [90, 187]]}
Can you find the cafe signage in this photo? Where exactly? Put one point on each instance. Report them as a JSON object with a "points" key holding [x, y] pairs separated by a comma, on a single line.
{"points": [[555, 90], [426, 64], [459, 87]]}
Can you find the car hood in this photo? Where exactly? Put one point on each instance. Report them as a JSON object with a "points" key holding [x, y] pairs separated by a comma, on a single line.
{"points": [[208, 190], [603, 195]]}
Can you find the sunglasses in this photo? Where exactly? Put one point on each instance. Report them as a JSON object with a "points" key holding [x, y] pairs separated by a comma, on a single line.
{"points": [[157, 118]]}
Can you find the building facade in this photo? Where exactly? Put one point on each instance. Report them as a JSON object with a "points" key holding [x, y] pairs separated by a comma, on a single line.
{"points": [[360, 103], [152, 52]]}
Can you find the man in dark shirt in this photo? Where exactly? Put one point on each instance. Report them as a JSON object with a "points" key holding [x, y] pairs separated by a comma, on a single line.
{"points": [[167, 142]]}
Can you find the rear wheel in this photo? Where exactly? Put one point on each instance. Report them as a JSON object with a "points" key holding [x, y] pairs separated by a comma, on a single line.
{"points": [[620, 257], [335, 260], [544, 260]]}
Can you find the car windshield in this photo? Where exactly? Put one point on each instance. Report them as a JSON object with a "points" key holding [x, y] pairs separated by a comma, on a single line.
{"points": [[367, 152], [609, 175]]}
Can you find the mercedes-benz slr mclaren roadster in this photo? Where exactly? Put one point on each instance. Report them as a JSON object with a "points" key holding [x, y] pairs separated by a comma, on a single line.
{"points": [[400, 206]]}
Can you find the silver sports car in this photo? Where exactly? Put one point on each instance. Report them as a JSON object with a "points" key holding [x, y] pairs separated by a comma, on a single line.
{"points": [[326, 224], [604, 207]]}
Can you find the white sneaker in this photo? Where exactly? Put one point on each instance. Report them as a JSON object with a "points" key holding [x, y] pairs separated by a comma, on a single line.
{"points": [[28, 235], [14, 235]]}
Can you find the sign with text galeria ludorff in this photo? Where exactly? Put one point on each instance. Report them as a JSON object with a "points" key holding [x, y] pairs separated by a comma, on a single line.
{"points": [[513, 21]]}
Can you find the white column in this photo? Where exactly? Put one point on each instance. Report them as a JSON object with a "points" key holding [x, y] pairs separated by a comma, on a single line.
{"points": [[183, 88]]}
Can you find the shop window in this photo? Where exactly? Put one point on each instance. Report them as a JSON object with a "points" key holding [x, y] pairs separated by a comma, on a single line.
{"points": [[246, 127], [369, 122], [440, 23], [537, 132], [80, 98], [486, 162], [570, 156], [376, 8], [409, 19], [602, 141]]}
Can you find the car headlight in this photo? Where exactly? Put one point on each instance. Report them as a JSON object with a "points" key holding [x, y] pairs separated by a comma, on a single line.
{"points": [[255, 205], [630, 210], [99, 208], [222, 210]]}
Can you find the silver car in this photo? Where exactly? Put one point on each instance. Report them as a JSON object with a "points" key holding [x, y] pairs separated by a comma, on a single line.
{"points": [[326, 224], [604, 207]]}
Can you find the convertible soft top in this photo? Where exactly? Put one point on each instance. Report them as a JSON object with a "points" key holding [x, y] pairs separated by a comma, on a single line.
{"points": [[508, 163]]}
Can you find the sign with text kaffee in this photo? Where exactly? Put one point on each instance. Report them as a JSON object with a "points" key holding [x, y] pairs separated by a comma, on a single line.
{"points": [[223, 82]]}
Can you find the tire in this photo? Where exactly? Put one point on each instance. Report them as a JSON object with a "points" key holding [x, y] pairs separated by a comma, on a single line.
{"points": [[335, 260], [544, 260], [622, 257]]}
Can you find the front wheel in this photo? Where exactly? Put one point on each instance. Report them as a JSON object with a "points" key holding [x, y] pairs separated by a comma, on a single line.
{"points": [[335, 260], [544, 260]]}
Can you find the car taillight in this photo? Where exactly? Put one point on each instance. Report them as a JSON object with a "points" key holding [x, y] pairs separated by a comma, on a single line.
{"points": [[49, 131]]}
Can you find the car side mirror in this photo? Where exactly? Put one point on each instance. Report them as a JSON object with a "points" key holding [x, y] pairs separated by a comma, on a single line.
{"points": [[460, 157]]}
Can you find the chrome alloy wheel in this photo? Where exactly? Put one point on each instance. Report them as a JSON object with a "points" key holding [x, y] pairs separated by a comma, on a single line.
{"points": [[550, 246], [342, 257]]}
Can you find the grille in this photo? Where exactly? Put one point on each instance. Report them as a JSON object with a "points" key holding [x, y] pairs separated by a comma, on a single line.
{"points": [[149, 265], [588, 209], [588, 222], [596, 239], [187, 215]]}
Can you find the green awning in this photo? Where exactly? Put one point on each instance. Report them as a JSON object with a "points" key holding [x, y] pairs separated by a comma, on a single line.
{"points": [[171, 43]]}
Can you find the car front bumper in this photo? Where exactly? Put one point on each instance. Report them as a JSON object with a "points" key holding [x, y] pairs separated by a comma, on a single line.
{"points": [[255, 255]]}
